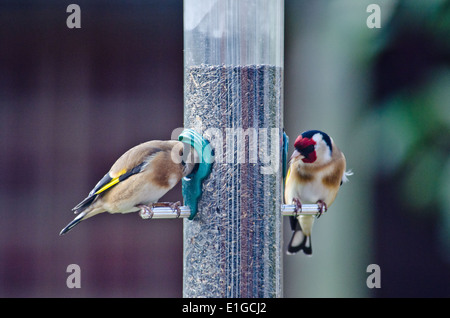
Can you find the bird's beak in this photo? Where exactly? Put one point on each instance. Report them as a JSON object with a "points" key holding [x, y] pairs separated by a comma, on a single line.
{"points": [[295, 154]]}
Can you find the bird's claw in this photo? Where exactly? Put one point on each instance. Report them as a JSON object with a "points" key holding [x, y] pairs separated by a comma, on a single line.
{"points": [[322, 207], [175, 206], [298, 206], [145, 211]]}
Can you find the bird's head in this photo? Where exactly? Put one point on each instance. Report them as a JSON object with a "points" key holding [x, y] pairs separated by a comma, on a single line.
{"points": [[187, 156], [312, 146]]}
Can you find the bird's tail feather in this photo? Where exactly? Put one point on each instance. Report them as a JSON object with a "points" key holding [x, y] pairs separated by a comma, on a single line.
{"points": [[304, 245], [83, 205], [300, 242], [74, 222]]}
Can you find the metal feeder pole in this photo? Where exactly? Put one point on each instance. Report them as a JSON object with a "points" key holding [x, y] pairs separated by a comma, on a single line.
{"points": [[233, 96], [185, 211]]}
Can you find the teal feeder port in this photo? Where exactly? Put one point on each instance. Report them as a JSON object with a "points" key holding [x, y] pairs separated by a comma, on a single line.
{"points": [[192, 184], [285, 154]]}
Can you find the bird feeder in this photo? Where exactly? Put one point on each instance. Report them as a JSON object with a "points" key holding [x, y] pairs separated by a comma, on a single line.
{"points": [[233, 97]]}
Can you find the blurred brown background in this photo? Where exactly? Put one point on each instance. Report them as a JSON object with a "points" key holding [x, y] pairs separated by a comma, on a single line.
{"points": [[73, 100]]}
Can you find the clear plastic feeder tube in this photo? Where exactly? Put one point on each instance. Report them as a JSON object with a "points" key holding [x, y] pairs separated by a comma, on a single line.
{"points": [[233, 32], [233, 96]]}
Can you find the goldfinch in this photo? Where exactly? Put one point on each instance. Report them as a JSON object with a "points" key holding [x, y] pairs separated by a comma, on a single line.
{"points": [[316, 171], [137, 180]]}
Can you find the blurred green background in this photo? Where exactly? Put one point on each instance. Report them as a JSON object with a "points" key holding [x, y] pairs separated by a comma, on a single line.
{"points": [[384, 95], [72, 101]]}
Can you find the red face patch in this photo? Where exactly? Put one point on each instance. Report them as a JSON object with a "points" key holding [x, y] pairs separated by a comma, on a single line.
{"points": [[301, 142], [306, 147], [310, 158]]}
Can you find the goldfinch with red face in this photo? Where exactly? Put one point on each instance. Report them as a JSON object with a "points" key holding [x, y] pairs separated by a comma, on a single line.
{"points": [[316, 171], [137, 180]]}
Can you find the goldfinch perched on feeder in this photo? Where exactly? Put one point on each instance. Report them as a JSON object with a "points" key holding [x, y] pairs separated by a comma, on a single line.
{"points": [[137, 180], [316, 171]]}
